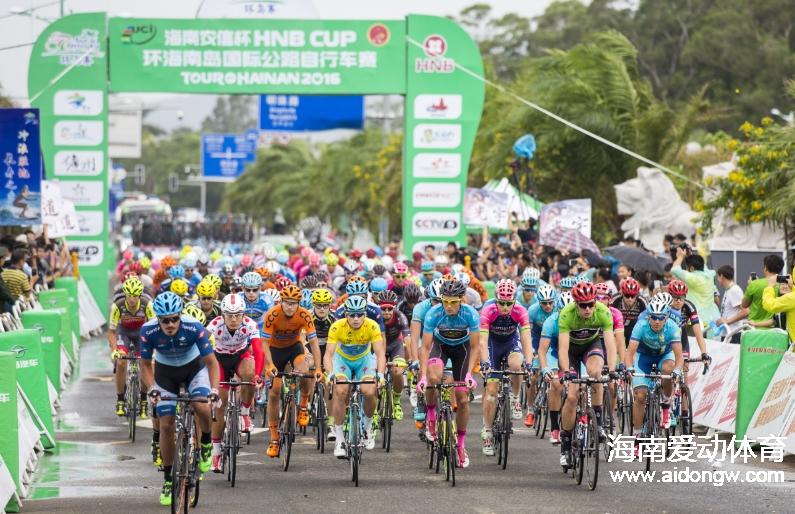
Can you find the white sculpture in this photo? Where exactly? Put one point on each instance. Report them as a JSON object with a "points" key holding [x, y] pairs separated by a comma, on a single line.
{"points": [[654, 207], [729, 234]]}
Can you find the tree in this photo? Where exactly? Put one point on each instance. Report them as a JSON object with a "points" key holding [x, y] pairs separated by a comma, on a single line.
{"points": [[232, 115]]}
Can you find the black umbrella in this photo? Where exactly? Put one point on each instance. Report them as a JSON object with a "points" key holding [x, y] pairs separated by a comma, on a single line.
{"points": [[636, 258]]}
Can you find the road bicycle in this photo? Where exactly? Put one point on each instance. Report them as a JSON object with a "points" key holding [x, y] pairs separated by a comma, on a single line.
{"points": [[230, 446], [502, 427], [288, 418], [652, 428], [132, 397], [585, 443], [354, 429], [318, 411], [442, 448]]}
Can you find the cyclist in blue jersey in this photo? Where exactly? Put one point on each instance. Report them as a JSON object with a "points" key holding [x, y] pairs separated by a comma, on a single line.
{"points": [[192, 277], [538, 313], [256, 302], [656, 339], [183, 356], [450, 331], [531, 281], [360, 288], [548, 362], [418, 313]]}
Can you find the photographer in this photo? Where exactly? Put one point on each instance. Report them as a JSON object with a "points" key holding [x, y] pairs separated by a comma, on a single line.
{"points": [[784, 302], [700, 283], [758, 315]]}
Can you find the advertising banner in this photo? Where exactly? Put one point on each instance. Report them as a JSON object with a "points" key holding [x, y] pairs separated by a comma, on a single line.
{"points": [[252, 56], [566, 214], [20, 149], [67, 82], [225, 156], [715, 395], [295, 113], [9, 436], [58, 214], [775, 413], [483, 208]]}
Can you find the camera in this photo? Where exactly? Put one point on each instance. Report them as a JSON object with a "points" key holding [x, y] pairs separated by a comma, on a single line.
{"points": [[782, 279], [683, 246]]}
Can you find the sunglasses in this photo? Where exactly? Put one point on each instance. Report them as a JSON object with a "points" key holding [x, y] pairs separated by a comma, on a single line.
{"points": [[451, 301], [399, 276], [658, 317], [387, 309], [322, 305], [171, 320], [529, 289], [547, 302], [206, 298], [250, 290], [188, 270], [677, 298], [355, 314], [289, 303], [234, 316], [630, 296], [505, 303], [585, 305]]}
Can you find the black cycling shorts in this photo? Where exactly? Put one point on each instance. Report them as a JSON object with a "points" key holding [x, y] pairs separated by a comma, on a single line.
{"points": [[580, 353], [458, 355], [282, 356]]}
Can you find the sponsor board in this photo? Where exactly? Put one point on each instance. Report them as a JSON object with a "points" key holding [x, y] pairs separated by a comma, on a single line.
{"points": [[437, 135], [91, 223], [79, 133], [83, 192], [76, 102], [436, 224], [436, 165], [89, 253], [79, 163], [440, 107], [436, 194]]}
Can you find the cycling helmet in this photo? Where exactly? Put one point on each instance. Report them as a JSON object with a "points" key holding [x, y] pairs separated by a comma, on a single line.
{"points": [[630, 287], [355, 304], [412, 293], [677, 288], [251, 280], [274, 295], [584, 292], [567, 282], [441, 260], [206, 288], [167, 261], [386, 298], [602, 289], [146, 262], [351, 266], [194, 312], [433, 290], [270, 252], [657, 305], [282, 257], [262, 272], [448, 276], [388, 263], [128, 275], [457, 267], [313, 260], [564, 299], [282, 282], [290, 292], [531, 274], [378, 284], [505, 289], [401, 268], [452, 288], [379, 270], [166, 304], [228, 270], [426, 266], [179, 287], [321, 276], [666, 297], [355, 287], [529, 283], [308, 282], [136, 267], [214, 280], [355, 254], [133, 287], [189, 262], [306, 299], [331, 259], [176, 271], [546, 293], [322, 296], [463, 277], [233, 304]]}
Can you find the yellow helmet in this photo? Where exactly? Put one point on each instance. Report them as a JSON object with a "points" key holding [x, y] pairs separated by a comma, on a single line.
{"points": [[146, 263], [185, 251], [322, 296], [206, 288], [133, 287], [179, 287], [194, 311], [214, 280], [332, 259]]}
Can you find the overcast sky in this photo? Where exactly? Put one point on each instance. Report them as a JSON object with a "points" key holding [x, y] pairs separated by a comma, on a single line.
{"points": [[20, 29]]}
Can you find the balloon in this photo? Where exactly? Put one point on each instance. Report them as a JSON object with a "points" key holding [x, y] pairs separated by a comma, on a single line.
{"points": [[525, 146]]}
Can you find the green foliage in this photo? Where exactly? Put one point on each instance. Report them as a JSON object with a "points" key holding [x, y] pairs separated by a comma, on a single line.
{"points": [[232, 115]]}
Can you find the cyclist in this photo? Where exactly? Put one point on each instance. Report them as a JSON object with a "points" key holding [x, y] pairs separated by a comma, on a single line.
{"points": [[227, 278], [323, 319], [548, 362], [502, 326], [427, 273], [183, 356], [180, 288], [358, 287], [257, 303], [127, 315], [397, 337], [545, 298], [207, 291], [450, 331], [400, 278], [629, 303], [585, 335], [416, 328], [174, 272], [656, 339], [238, 349], [192, 276], [471, 297], [530, 280], [411, 296], [355, 352], [603, 296], [282, 334]]}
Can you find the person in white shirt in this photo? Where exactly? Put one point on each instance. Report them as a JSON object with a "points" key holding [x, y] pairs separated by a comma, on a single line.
{"points": [[731, 310]]}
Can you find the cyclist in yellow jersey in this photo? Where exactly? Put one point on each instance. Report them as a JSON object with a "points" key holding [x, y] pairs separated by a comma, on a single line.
{"points": [[355, 351]]}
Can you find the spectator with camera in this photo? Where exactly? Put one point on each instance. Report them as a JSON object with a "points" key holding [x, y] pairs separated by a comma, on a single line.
{"points": [[690, 268], [782, 300], [758, 315]]}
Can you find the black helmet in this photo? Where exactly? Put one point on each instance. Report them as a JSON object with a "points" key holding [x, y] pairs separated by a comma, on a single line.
{"points": [[379, 270], [309, 282], [387, 296], [228, 270], [412, 293], [453, 288]]}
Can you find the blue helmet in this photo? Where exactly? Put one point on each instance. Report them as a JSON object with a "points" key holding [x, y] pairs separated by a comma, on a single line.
{"points": [[426, 266], [355, 304], [355, 287], [306, 299], [529, 282], [546, 293], [433, 291], [567, 282], [378, 284], [176, 271], [251, 279], [167, 303]]}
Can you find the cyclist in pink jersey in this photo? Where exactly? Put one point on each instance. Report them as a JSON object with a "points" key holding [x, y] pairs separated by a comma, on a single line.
{"points": [[603, 295]]}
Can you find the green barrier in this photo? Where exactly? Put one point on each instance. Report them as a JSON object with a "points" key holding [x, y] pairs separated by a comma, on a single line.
{"points": [[9, 435], [761, 352], [48, 323], [489, 286], [70, 284], [59, 299], [32, 378]]}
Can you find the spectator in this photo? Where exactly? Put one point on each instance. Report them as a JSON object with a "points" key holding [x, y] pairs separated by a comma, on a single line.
{"points": [[624, 271], [758, 316], [732, 311], [6, 298], [16, 280], [780, 301], [603, 275], [700, 284]]}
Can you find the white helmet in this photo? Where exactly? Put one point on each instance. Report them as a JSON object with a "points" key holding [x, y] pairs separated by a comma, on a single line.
{"points": [[565, 298], [441, 259], [270, 252], [463, 277], [273, 267], [664, 297], [457, 268], [531, 274], [388, 263], [545, 293], [657, 305], [233, 304], [273, 294]]}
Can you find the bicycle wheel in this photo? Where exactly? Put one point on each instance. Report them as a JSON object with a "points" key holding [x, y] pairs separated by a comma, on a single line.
{"points": [[386, 418], [133, 400], [543, 415], [506, 436], [578, 451], [686, 417], [591, 450], [537, 412], [496, 430], [650, 423], [288, 432], [607, 417], [194, 479], [451, 457], [353, 444], [179, 474], [234, 446], [320, 419], [620, 391]]}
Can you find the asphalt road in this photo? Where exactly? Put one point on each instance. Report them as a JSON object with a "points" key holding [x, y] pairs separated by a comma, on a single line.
{"points": [[96, 469]]}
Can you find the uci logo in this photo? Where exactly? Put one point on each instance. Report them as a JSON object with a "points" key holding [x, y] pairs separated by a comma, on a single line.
{"points": [[18, 350], [138, 34]]}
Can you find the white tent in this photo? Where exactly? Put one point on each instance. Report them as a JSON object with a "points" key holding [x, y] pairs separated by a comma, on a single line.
{"points": [[523, 205]]}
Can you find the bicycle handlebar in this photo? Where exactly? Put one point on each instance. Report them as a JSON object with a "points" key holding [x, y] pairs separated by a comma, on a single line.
{"points": [[235, 383], [706, 364]]}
